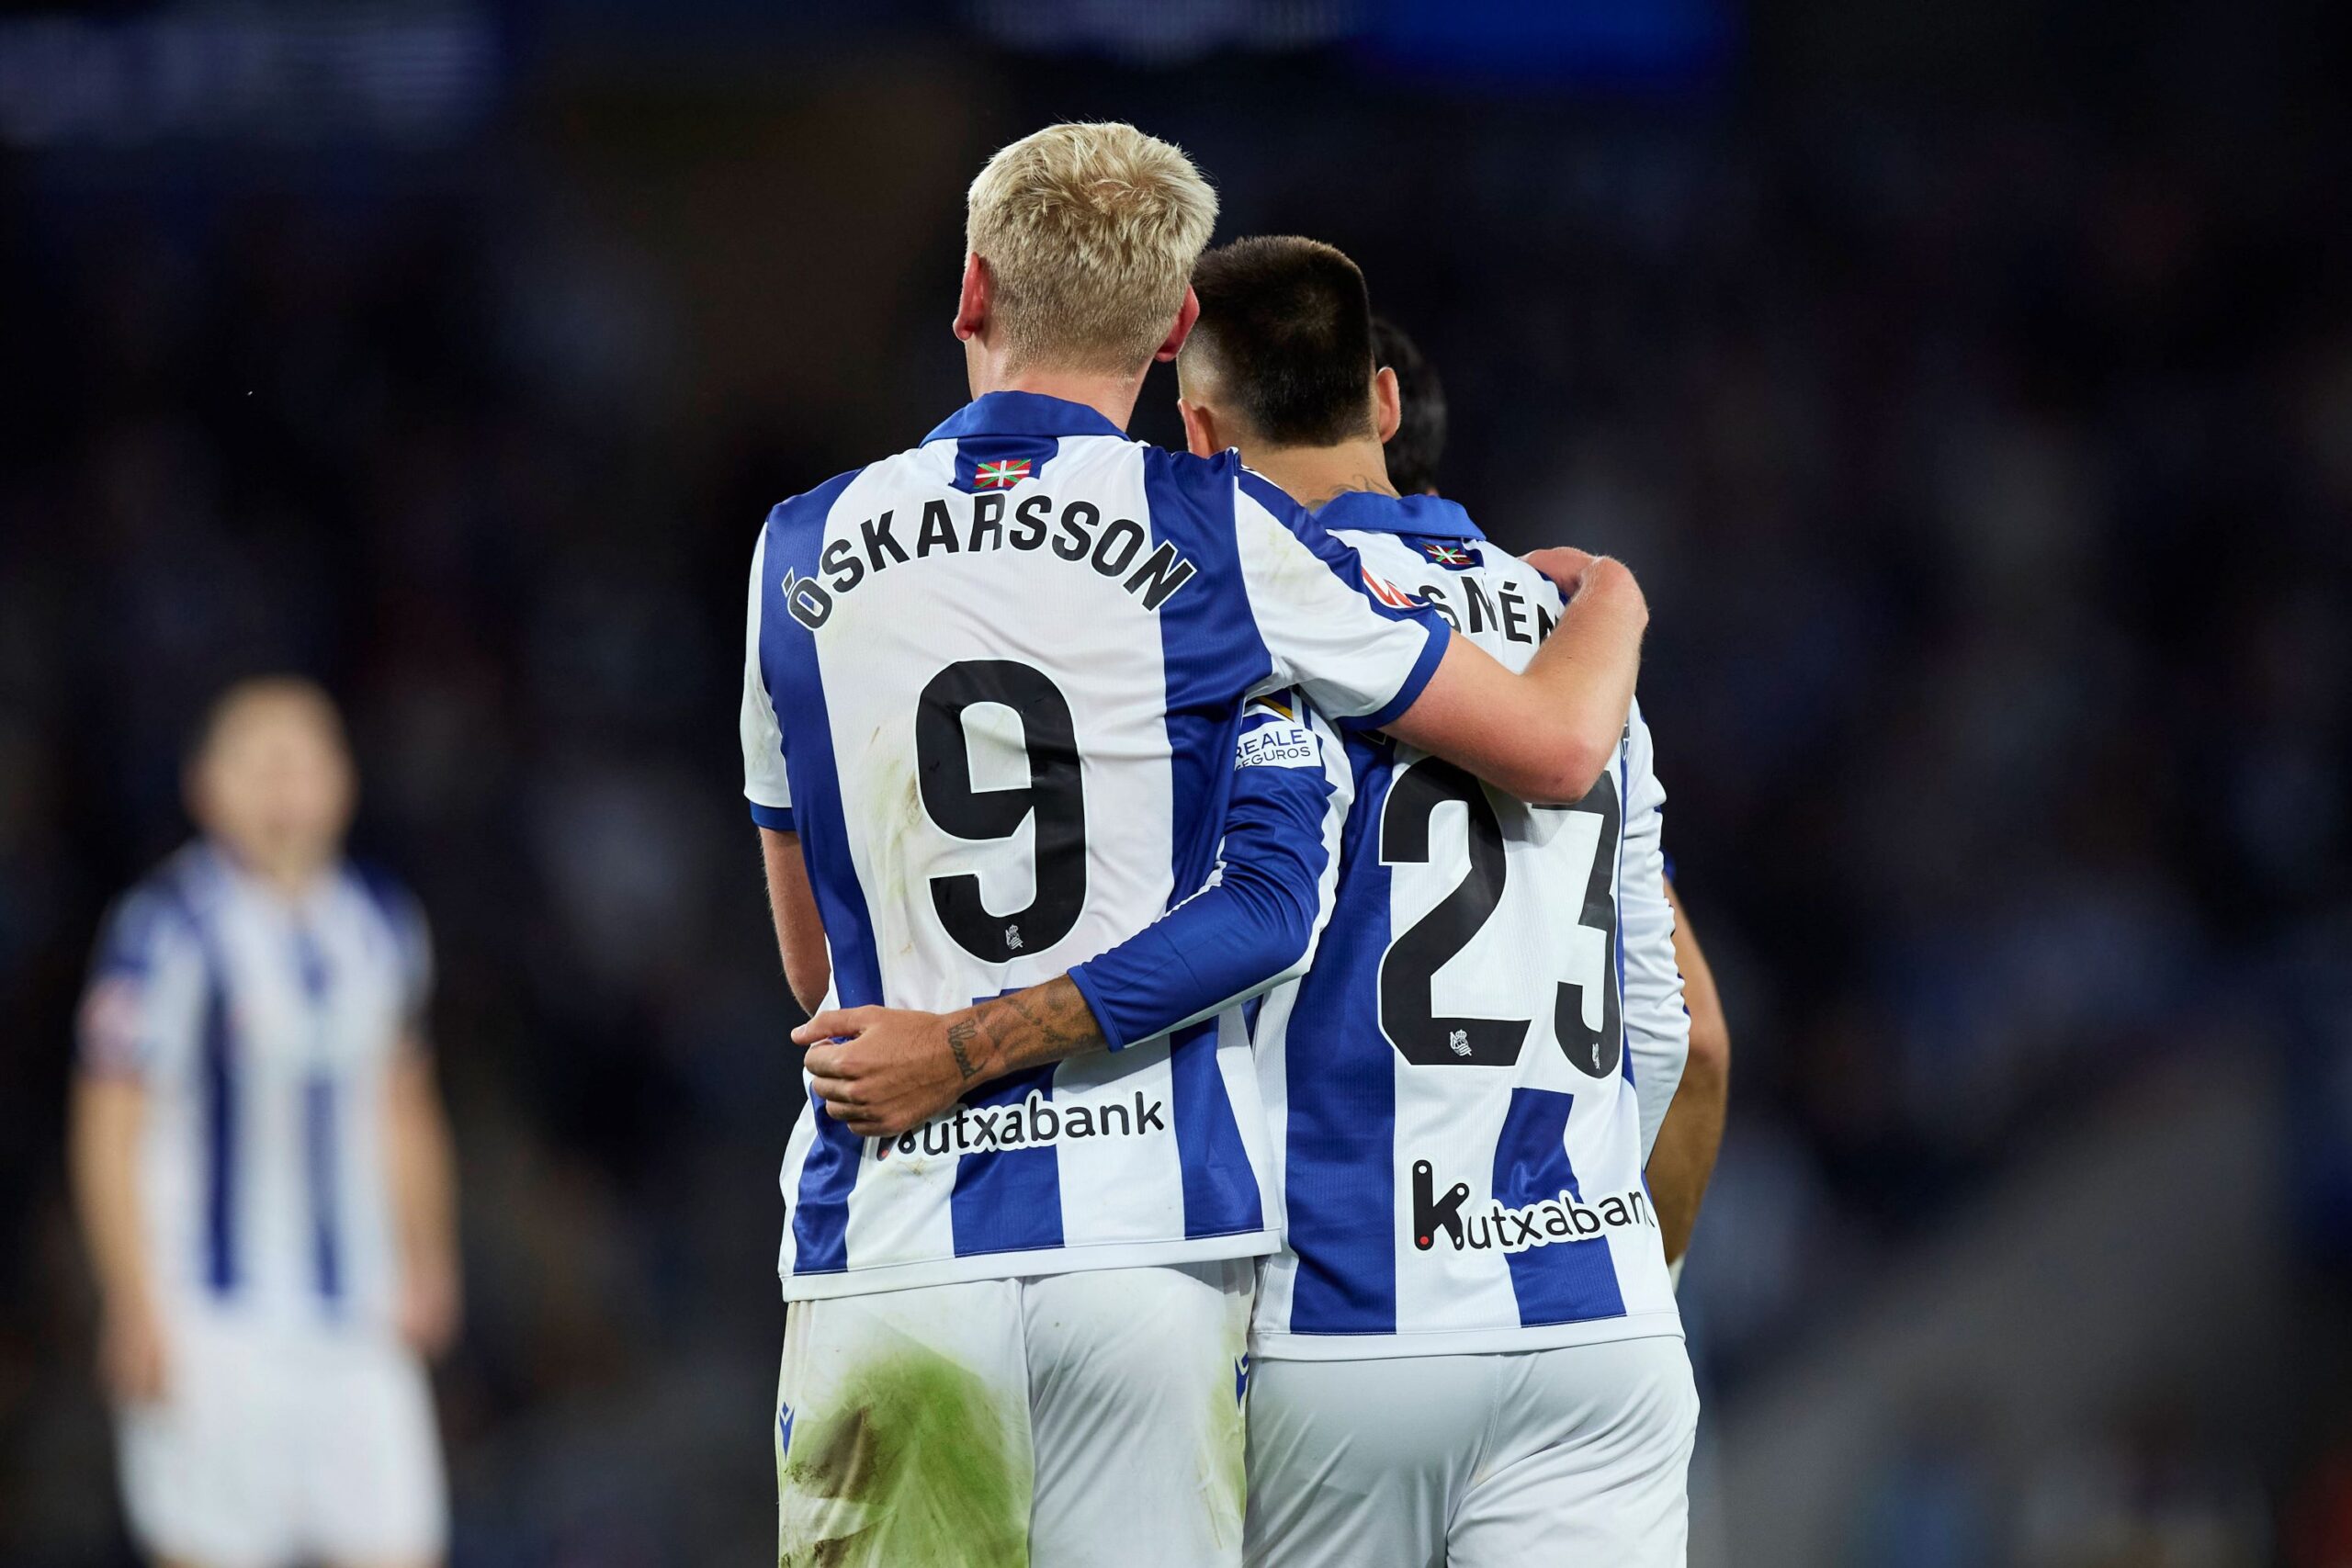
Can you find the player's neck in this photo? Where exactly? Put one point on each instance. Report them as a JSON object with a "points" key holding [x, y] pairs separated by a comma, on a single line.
{"points": [[1313, 475], [291, 876], [1112, 396]]}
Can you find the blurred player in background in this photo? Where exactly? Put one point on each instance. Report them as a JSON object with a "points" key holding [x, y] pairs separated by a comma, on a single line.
{"points": [[1468, 1237], [263, 1173], [998, 689], [1684, 1157]]}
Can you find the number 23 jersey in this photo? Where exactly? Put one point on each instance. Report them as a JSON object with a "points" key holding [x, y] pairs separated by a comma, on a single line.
{"points": [[1453, 1085], [996, 684]]}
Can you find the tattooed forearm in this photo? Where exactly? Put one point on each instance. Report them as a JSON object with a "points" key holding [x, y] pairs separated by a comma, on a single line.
{"points": [[1027, 1029], [959, 1038]]}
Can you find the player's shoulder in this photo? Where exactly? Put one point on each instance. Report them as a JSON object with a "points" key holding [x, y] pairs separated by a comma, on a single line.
{"points": [[814, 503], [165, 904]]}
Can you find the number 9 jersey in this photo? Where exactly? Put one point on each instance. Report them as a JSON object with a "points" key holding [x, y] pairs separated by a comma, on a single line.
{"points": [[1465, 1085], [995, 684]]}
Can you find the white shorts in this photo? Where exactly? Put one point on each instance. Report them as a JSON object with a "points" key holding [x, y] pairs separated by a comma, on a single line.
{"points": [[1061, 1421], [272, 1448], [1571, 1457]]}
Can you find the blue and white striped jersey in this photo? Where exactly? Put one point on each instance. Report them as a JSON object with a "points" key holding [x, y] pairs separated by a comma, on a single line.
{"points": [[1453, 1083], [263, 1030], [997, 685]]}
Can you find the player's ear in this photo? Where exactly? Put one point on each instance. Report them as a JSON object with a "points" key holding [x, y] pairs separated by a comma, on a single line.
{"points": [[973, 300], [1186, 314], [1388, 404], [1200, 437]]}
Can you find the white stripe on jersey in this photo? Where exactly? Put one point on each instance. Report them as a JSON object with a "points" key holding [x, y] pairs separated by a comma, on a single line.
{"points": [[1453, 1082]]}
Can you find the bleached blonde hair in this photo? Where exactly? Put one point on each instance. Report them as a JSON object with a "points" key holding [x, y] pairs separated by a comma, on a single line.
{"points": [[1090, 232]]}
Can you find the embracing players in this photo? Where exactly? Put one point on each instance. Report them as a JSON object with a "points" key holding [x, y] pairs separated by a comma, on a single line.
{"points": [[262, 1170], [998, 699]]}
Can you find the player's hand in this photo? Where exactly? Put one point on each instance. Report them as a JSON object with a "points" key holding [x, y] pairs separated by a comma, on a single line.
{"points": [[133, 1358], [883, 1070], [430, 1307], [1564, 566], [1575, 571]]}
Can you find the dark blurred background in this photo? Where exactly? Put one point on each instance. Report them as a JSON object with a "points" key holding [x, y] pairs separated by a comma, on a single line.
{"points": [[1971, 387]]}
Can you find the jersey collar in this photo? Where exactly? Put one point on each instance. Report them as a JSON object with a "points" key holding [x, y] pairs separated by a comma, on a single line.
{"points": [[1367, 511], [1024, 413]]}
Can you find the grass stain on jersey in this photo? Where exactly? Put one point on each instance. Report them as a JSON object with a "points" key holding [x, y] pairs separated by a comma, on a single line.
{"points": [[910, 1463]]}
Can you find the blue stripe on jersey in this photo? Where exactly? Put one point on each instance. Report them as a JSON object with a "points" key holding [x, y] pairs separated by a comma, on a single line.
{"points": [[796, 532], [1212, 655], [318, 1125], [216, 1053], [776, 817], [1567, 1281], [319, 1154], [1009, 1200], [1210, 647], [1341, 1176], [1220, 1189]]}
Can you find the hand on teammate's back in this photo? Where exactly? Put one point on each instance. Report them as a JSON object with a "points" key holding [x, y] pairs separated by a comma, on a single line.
{"points": [[1571, 570]]}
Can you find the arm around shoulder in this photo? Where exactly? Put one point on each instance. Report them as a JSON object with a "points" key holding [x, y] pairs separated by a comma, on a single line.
{"points": [[1549, 732]]}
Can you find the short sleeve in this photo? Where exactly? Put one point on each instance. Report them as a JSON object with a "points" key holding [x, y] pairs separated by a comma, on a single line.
{"points": [[146, 988], [411, 943], [765, 784], [1359, 648]]}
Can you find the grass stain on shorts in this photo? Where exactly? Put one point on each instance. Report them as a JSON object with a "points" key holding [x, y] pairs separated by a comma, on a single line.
{"points": [[911, 1462]]}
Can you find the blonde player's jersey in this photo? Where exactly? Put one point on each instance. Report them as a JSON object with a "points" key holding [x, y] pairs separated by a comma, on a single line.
{"points": [[263, 1030], [996, 684], [1453, 1084]]}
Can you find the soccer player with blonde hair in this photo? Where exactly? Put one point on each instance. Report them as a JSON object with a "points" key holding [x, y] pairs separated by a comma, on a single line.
{"points": [[1001, 691]]}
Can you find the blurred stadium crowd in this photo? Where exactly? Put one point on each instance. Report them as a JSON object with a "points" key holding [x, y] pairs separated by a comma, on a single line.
{"points": [[1990, 473]]}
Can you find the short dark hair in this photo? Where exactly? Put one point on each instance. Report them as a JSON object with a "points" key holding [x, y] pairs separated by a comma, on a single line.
{"points": [[1419, 442], [1287, 323]]}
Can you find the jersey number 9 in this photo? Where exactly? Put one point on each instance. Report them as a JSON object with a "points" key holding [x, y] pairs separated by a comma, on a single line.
{"points": [[1054, 797]]}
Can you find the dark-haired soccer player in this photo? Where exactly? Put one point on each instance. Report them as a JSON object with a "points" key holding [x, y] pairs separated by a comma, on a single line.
{"points": [[1468, 1349], [262, 1170], [1417, 445], [1684, 1158]]}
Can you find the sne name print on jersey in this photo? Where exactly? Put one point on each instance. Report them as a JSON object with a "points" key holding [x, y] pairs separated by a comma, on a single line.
{"points": [[1076, 535]]}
